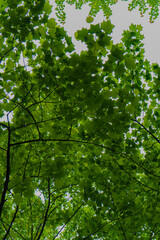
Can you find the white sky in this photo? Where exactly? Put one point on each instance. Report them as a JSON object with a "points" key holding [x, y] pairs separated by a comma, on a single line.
{"points": [[121, 18]]}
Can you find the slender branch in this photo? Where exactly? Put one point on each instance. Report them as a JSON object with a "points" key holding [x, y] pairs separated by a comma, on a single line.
{"points": [[70, 131], [58, 189], [124, 234], [83, 142], [15, 230], [31, 220], [52, 211], [144, 185], [3, 125], [104, 224], [68, 220], [151, 235], [86, 142], [37, 230], [7, 170], [25, 165], [13, 70], [138, 164], [155, 233], [8, 51], [44, 97], [21, 101], [9, 228], [4, 224], [29, 124], [46, 214], [146, 130], [3, 149], [61, 140], [26, 109]]}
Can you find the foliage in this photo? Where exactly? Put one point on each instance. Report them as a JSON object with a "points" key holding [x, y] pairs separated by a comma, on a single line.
{"points": [[105, 5], [79, 148]]}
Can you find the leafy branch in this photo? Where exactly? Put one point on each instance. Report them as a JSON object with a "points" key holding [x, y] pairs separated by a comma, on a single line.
{"points": [[146, 130]]}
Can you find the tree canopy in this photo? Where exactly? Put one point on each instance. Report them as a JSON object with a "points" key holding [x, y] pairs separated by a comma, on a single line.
{"points": [[79, 139]]}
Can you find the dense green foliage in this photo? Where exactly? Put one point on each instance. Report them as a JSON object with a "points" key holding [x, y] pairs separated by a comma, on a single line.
{"points": [[150, 6], [79, 147]]}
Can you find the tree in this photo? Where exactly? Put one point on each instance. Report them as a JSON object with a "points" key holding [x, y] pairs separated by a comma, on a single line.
{"points": [[79, 148]]}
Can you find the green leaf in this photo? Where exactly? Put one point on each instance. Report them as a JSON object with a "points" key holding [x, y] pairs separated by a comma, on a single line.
{"points": [[10, 65], [51, 24], [81, 34], [29, 191], [47, 7], [117, 52], [130, 62], [89, 19], [107, 26], [95, 28]]}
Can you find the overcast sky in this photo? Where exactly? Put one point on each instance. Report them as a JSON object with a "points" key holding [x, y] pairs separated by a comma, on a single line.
{"points": [[121, 18]]}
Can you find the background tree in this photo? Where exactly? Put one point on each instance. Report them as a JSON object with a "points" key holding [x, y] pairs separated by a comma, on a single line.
{"points": [[79, 148]]}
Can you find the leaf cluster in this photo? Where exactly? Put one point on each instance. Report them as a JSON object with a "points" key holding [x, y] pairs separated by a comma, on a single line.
{"points": [[143, 6]]}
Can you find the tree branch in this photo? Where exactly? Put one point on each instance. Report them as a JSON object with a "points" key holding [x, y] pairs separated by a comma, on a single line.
{"points": [[104, 224], [14, 216], [138, 164], [144, 185], [68, 220], [124, 234], [29, 124], [15, 230], [7, 170], [146, 130], [46, 214], [8, 51], [29, 112], [45, 97], [3, 125], [61, 140]]}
